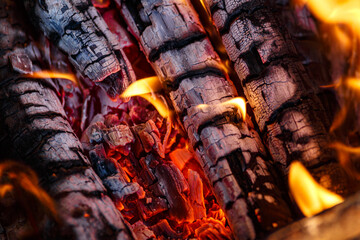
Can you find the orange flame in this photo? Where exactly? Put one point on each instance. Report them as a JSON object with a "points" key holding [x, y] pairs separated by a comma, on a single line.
{"points": [[337, 11], [21, 182], [308, 194], [146, 89], [51, 74], [238, 102], [353, 83]]}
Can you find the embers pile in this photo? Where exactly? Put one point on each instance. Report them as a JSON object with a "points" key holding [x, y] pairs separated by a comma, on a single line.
{"points": [[145, 164]]}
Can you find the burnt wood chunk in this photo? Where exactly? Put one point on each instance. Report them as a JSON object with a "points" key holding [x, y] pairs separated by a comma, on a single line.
{"points": [[78, 29], [228, 149], [285, 100], [35, 122]]}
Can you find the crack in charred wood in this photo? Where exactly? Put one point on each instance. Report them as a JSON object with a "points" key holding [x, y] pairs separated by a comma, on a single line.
{"points": [[89, 194], [173, 84], [174, 44], [243, 11]]}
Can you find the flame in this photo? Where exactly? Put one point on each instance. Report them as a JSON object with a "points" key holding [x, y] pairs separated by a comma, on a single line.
{"points": [[238, 102], [348, 157], [21, 182], [345, 148], [146, 89], [308, 194], [337, 11], [143, 86], [353, 83], [51, 74]]}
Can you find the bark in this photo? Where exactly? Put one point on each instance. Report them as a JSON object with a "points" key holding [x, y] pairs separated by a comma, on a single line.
{"points": [[79, 30], [285, 100], [229, 150], [339, 222], [41, 136]]}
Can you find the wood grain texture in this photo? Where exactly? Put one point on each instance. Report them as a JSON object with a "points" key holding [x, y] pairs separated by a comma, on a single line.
{"points": [[78, 29], [37, 128], [229, 150], [286, 101]]}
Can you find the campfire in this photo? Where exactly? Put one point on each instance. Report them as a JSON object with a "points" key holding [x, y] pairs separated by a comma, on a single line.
{"points": [[179, 119]]}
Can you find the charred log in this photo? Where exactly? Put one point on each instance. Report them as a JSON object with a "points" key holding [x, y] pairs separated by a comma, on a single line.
{"points": [[41, 136], [229, 150], [304, 33], [285, 100], [79, 30]]}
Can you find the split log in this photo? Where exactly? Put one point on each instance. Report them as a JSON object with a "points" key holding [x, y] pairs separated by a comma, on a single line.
{"points": [[78, 29], [35, 122], [340, 222], [285, 100], [229, 150]]}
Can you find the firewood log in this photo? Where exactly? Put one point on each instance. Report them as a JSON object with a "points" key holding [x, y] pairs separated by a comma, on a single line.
{"points": [[285, 100], [79, 30], [305, 35], [229, 150], [36, 124]]}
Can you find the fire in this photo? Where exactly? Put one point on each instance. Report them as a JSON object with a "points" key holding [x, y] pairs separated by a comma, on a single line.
{"points": [[143, 86], [348, 157], [147, 88], [20, 182], [51, 74], [308, 194], [337, 11], [238, 102], [353, 83]]}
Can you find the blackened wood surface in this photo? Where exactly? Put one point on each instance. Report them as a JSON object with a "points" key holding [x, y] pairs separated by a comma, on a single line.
{"points": [[230, 152], [285, 100], [78, 29], [37, 127], [305, 35]]}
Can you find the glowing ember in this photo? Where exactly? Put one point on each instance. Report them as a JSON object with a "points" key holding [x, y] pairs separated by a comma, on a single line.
{"points": [[308, 194], [51, 74]]}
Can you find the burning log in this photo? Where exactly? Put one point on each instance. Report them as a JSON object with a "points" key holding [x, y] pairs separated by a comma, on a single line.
{"points": [[284, 99], [36, 126], [78, 29], [339, 222], [229, 150]]}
